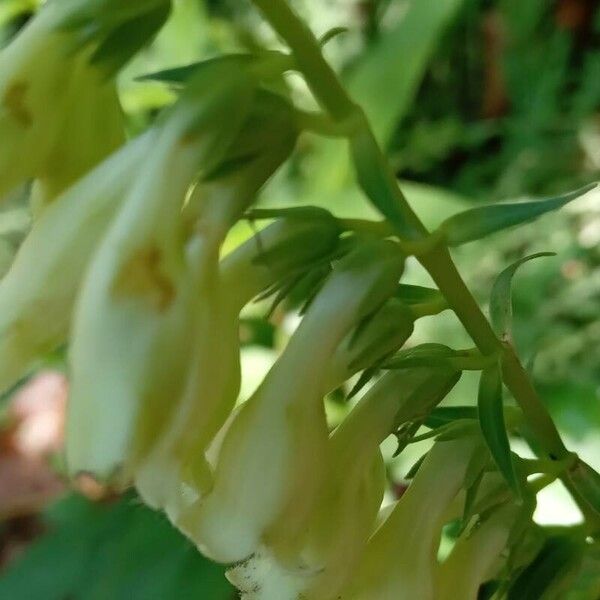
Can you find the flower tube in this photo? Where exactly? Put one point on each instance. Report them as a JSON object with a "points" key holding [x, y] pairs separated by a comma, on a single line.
{"points": [[270, 461], [400, 559], [314, 563], [38, 292], [174, 472], [143, 285]]}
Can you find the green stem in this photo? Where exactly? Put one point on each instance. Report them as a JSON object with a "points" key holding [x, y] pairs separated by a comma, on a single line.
{"points": [[328, 90]]}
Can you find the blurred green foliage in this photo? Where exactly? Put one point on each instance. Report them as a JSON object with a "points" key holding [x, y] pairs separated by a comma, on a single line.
{"points": [[119, 550], [475, 100]]}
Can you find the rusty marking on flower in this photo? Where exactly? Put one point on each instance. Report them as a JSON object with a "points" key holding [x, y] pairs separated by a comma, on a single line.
{"points": [[141, 275], [14, 100]]}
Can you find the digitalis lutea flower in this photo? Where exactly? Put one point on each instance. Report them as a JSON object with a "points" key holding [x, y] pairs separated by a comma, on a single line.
{"points": [[38, 292], [400, 561], [59, 116], [315, 562], [476, 556], [143, 285], [270, 467], [174, 471]]}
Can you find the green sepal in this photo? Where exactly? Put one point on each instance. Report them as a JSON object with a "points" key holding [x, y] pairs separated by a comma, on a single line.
{"points": [[179, 76], [447, 414], [427, 355], [501, 297], [480, 222], [417, 294], [491, 420], [116, 29], [412, 472]]}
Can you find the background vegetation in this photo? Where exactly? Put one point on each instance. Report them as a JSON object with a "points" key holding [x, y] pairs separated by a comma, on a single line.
{"points": [[475, 100]]}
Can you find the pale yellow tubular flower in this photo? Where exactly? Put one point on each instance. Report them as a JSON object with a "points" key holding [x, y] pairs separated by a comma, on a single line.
{"points": [[58, 115], [400, 561], [174, 471], [476, 556], [38, 292], [270, 462], [142, 287], [212, 383], [314, 563]]}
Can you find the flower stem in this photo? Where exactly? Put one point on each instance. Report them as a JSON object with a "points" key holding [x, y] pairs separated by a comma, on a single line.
{"points": [[330, 93]]}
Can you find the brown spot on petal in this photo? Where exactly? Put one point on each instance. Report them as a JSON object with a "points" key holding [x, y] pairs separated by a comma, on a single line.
{"points": [[141, 276], [15, 101]]}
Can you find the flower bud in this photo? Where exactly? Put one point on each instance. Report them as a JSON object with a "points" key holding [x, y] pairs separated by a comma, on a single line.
{"points": [[270, 462], [38, 292], [383, 333], [400, 560]]}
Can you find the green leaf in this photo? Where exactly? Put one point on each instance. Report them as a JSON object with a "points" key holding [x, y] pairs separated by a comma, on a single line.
{"points": [[118, 550], [480, 222], [387, 76], [491, 420], [501, 297]]}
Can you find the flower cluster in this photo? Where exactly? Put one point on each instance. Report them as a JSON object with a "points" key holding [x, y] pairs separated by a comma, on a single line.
{"points": [[125, 262]]}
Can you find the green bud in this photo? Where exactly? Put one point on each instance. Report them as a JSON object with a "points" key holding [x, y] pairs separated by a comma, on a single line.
{"points": [[383, 333], [400, 560], [270, 462], [38, 293]]}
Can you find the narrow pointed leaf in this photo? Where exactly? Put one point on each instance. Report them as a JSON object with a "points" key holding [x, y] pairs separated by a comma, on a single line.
{"points": [[416, 294], [501, 297], [480, 222], [491, 419]]}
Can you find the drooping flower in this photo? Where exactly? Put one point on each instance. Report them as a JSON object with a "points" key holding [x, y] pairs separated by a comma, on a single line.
{"points": [[315, 561], [144, 282], [38, 292], [174, 471], [270, 461], [400, 561]]}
